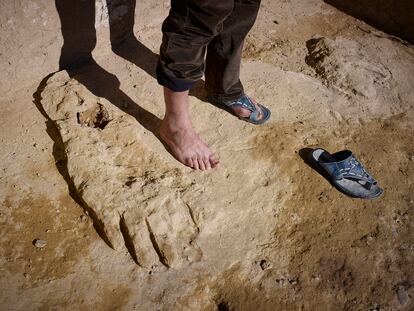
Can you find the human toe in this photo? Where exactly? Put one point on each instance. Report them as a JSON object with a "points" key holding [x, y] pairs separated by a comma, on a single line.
{"points": [[189, 162], [207, 163], [201, 164], [214, 160], [195, 163]]}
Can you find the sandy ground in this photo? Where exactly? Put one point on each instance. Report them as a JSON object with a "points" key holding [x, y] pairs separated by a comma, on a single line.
{"points": [[128, 228]]}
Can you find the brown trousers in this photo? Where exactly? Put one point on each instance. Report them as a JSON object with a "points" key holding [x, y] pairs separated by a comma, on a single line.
{"points": [[205, 36]]}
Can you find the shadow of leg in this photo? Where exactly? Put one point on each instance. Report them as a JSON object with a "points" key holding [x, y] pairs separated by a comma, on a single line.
{"points": [[123, 41], [135, 52], [77, 19], [79, 35], [121, 20]]}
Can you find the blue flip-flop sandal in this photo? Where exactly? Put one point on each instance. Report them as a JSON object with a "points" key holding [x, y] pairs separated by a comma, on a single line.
{"points": [[247, 103], [347, 173]]}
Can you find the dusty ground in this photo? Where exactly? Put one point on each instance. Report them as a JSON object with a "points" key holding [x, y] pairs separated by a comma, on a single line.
{"points": [[82, 169]]}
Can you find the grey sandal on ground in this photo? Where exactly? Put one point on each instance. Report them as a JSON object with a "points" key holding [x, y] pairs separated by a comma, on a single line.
{"points": [[246, 103], [347, 173]]}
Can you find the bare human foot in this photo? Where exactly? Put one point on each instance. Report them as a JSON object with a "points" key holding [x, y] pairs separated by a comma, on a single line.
{"points": [[177, 132]]}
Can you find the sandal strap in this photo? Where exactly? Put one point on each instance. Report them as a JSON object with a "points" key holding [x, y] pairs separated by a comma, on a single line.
{"points": [[258, 114], [244, 102], [350, 168]]}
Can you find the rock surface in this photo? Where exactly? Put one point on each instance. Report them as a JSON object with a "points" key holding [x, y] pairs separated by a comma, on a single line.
{"points": [[344, 65], [133, 196]]}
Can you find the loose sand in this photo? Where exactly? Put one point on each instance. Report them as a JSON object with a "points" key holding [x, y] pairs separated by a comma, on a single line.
{"points": [[129, 228]]}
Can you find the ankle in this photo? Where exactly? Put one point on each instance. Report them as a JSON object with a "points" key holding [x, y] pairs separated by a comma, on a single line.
{"points": [[177, 112], [176, 123]]}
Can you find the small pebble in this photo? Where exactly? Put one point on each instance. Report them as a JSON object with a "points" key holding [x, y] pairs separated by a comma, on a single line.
{"points": [[369, 240], [39, 243], [315, 278]]}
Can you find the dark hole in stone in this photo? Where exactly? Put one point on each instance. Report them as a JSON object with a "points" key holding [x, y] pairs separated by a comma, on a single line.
{"points": [[96, 117], [223, 306], [264, 264]]}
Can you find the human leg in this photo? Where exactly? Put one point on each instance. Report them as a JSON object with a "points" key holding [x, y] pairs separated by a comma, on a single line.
{"points": [[224, 58], [225, 50], [188, 29]]}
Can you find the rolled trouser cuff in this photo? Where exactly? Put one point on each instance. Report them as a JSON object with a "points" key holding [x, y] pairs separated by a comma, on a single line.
{"points": [[172, 82]]}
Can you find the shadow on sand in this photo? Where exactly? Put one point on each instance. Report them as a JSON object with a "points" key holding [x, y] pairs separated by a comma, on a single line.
{"points": [[78, 31], [393, 17], [79, 35]]}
